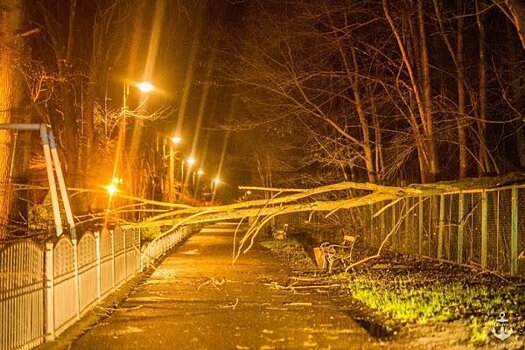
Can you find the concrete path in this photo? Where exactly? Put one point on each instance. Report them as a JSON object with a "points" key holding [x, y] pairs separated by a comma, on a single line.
{"points": [[196, 299]]}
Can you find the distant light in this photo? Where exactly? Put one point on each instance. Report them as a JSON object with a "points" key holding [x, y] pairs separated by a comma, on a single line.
{"points": [[117, 180], [200, 172], [145, 86], [112, 189], [248, 192], [176, 139], [217, 180], [190, 161]]}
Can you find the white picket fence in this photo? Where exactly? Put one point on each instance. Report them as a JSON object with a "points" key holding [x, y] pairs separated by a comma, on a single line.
{"points": [[44, 290]]}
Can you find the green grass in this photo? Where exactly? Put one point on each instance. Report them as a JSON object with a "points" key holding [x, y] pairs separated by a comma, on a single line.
{"points": [[278, 245], [407, 300]]}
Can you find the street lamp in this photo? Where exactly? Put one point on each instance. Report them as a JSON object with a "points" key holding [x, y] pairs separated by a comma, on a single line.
{"points": [[175, 141], [214, 183], [145, 86], [199, 173], [190, 161]]}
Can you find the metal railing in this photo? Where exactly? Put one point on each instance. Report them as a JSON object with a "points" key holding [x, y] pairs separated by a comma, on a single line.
{"points": [[45, 289], [483, 228]]}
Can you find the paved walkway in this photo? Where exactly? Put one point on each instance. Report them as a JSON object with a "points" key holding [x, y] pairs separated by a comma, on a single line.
{"points": [[196, 299]]}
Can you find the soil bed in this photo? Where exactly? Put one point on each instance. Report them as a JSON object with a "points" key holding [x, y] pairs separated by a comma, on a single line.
{"points": [[406, 301]]}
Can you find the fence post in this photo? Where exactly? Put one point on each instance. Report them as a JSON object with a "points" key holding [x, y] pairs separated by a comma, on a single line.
{"points": [[407, 232], [50, 293], [461, 224], [441, 226], [138, 251], [125, 255], [484, 233], [77, 276], [112, 232], [420, 226], [514, 233], [99, 271]]}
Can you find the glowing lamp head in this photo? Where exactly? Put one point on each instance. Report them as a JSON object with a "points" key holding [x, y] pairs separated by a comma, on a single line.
{"points": [[248, 192], [176, 140], [217, 180], [190, 161], [112, 189], [200, 172], [145, 86]]}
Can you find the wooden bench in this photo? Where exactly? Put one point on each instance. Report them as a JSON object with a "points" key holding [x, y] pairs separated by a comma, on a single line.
{"points": [[330, 255]]}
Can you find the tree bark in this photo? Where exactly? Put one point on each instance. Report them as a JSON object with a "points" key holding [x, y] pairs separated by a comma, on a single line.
{"points": [[517, 11], [462, 134], [483, 161], [426, 147], [428, 118], [353, 76], [10, 95], [517, 95]]}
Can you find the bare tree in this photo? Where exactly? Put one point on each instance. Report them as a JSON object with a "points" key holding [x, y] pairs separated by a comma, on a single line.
{"points": [[11, 51]]}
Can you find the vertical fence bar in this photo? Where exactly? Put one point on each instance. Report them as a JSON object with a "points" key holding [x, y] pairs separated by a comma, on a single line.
{"points": [[370, 236], [448, 250], [77, 277], [441, 226], [124, 234], [484, 232], [50, 293], [113, 274], [420, 226], [461, 213], [514, 233], [498, 230], [99, 268]]}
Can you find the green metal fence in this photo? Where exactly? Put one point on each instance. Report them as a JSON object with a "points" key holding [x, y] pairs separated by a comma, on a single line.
{"points": [[484, 228]]}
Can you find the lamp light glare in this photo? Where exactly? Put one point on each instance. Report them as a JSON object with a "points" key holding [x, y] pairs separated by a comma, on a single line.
{"points": [[145, 86], [111, 188]]}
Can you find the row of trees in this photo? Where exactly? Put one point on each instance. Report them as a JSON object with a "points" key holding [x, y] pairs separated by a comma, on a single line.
{"points": [[66, 63], [382, 91]]}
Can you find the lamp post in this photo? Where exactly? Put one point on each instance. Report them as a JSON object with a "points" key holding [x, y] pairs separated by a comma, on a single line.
{"points": [[214, 184], [190, 162], [174, 142], [145, 87]]}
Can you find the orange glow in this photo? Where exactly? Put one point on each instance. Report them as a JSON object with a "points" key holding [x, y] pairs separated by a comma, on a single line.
{"points": [[145, 86], [112, 189], [176, 140]]}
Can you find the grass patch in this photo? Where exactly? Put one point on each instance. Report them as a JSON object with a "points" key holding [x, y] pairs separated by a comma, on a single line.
{"points": [[277, 245], [409, 299], [290, 250]]}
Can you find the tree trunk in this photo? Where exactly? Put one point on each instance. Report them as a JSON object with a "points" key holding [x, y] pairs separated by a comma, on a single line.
{"points": [[10, 95], [483, 161], [427, 117], [379, 163], [353, 76], [427, 152], [462, 133], [517, 11], [517, 95]]}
